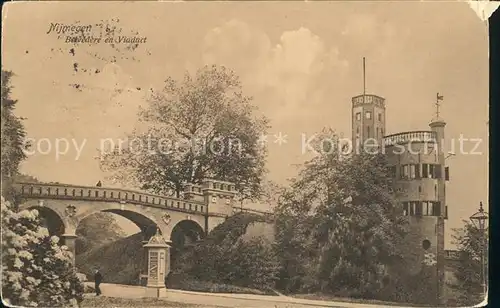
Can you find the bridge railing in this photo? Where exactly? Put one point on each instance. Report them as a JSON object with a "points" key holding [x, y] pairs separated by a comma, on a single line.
{"points": [[265, 214], [58, 191]]}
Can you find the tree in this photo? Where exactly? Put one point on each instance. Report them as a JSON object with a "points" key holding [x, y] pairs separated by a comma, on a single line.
{"points": [[36, 271], [341, 218], [468, 284], [95, 231], [201, 127], [13, 136]]}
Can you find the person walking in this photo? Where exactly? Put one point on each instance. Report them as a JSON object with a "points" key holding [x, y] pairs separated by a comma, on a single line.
{"points": [[98, 280]]}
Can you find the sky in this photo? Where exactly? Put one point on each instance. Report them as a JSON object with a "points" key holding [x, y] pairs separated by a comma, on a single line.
{"points": [[300, 61]]}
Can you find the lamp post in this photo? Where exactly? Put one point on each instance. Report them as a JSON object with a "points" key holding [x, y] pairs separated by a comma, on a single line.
{"points": [[480, 221]]}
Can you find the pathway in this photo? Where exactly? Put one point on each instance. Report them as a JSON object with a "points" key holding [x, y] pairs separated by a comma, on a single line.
{"points": [[226, 300]]}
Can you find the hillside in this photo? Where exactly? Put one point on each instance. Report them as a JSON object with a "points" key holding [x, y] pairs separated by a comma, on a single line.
{"points": [[119, 262]]}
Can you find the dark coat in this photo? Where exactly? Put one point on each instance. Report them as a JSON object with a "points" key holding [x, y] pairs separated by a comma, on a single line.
{"points": [[98, 277]]}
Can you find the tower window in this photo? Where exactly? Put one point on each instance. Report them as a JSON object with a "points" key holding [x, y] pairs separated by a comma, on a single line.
{"points": [[368, 131], [413, 206], [358, 116], [428, 208], [437, 172], [425, 170], [380, 117], [382, 132], [368, 114], [412, 171], [418, 208], [405, 172], [426, 244], [357, 131], [436, 208]]}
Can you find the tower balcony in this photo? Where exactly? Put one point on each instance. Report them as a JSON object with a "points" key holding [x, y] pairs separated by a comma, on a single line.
{"points": [[368, 99], [410, 137]]}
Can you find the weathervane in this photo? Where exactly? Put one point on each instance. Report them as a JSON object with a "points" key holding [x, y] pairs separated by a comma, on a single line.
{"points": [[438, 99]]}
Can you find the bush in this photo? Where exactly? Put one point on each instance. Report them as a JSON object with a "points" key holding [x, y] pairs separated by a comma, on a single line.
{"points": [[36, 271], [225, 258]]}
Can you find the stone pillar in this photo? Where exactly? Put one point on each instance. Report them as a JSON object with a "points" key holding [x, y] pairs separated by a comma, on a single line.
{"points": [[158, 265], [69, 241]]}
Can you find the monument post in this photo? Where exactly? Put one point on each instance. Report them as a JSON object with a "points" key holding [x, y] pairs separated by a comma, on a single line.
{"points": [[158, 265]]}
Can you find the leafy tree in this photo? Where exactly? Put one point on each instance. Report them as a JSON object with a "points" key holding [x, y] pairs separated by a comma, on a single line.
{"points": [[13, 136], [36, 271], [202, 126], [342, 220], [468, 284]]}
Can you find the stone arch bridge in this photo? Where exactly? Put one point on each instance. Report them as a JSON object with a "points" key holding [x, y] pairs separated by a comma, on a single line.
{"points": [[64, 206]]}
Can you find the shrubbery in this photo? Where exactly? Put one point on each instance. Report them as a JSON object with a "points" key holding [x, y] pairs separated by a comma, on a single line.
{"points": [[225, 258], [36, 271]]}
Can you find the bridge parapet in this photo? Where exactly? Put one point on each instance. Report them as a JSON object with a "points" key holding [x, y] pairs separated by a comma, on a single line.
{"points": [[92, 193], [268, 216]]}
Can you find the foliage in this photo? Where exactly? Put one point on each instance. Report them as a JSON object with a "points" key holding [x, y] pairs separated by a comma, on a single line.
{"points": [[36, 271], [13, 136], [96, 230], [181, 281], [119, 261], [200, 127], [468, 285], [338, 229], [225, 258]]}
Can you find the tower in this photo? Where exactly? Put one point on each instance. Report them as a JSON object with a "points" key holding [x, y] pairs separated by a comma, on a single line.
{"points": [[368, 118], [418, 165]]}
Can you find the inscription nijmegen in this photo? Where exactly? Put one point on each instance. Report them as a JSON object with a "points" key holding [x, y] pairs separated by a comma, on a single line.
{"points": [[84, 34]]}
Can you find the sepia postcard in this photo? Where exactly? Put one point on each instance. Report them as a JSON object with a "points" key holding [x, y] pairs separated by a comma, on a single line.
{"points": [[245, 154]]}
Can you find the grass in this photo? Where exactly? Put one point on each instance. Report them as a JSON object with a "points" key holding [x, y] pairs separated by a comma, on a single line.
{"points": [[113, 302]]}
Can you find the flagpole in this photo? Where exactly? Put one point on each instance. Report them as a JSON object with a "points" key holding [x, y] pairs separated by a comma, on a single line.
{"points": [[364, 77]]}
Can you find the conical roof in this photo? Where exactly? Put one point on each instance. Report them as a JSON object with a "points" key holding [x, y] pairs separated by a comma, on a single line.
{"points": [[157, 240]]}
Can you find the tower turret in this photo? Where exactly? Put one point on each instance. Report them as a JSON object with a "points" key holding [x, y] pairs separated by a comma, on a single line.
{"points": [[368, 118]]}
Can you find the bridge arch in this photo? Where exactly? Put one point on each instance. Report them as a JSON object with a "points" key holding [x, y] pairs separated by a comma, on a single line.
{"points": [[144, 221], [184, 234], [51, 216], [50, 219], [190, 230]]}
